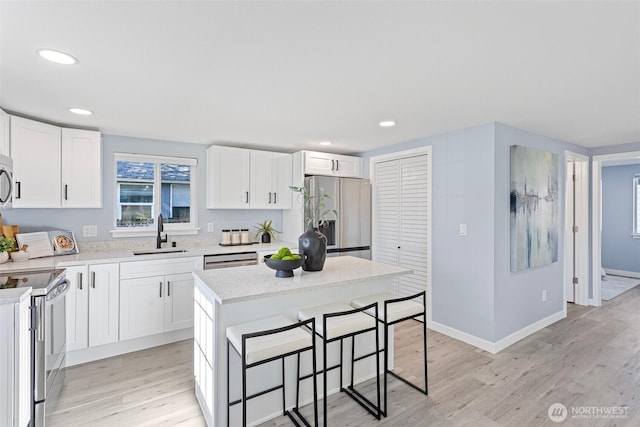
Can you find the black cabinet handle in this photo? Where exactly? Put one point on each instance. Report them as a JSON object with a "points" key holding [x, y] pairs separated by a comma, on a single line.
{"points": [[168, 288], [80, 280], [93, 279], [246, 195], [160, 289], [269, 198], [18, 188], [332, 164], [275, 199], [337, 165], [66, 192]]}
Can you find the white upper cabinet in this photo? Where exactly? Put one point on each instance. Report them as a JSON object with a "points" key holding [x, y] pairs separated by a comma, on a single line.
{"points": [[239, 178], [81, 169], [316, 163], [35, 149], [5, 135], [270, 180], [55, 167], [227, 178]]}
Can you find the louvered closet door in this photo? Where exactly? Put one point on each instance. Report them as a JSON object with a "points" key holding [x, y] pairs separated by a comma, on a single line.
{"points": [[414, 224], [387, 212], [402, 219]]}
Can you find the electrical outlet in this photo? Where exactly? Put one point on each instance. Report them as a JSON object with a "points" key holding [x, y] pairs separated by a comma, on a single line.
{"points": [[209, 227], [544, 295], [463, 229], [89, 231]]}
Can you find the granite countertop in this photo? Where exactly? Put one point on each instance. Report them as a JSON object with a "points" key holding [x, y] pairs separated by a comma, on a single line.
{"points": [[259, 281], [102, 257]]}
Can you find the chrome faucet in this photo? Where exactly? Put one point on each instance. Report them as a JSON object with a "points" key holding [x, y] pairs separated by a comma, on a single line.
{"points": [[159, 239]]}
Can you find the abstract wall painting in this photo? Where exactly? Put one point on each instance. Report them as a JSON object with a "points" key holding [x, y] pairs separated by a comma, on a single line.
{"points": [[534, 208]]}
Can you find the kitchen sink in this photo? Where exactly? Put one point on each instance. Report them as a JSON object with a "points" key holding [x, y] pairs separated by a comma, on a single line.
{"points": [[158, 251]]}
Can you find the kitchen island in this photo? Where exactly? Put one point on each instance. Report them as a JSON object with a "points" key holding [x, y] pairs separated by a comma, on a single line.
{"points": [[227, 297]]}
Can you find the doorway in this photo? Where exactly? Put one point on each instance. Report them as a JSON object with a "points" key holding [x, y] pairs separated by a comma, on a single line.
{"points": [[596, 214], [401, 217], [577, 229]]}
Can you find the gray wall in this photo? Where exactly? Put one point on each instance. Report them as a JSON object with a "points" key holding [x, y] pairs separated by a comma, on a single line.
{"points": [[518, 296], [474, 290], [620, 251], [74, 219], [462, 277]]}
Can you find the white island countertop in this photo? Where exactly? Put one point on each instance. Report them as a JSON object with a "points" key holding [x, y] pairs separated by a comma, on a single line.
{"points": [[258, 281]]}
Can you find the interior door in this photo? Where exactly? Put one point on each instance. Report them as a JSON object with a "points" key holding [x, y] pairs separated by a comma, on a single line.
{"points": [[570, 235]]}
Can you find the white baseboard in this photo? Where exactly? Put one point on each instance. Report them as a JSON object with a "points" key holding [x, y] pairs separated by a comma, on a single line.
{"points": [[91, 354], [495, 347], [528, 330], [622, 273], [462, 336]]}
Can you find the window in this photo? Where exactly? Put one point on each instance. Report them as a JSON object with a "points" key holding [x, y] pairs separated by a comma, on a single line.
{"points": [[149, 185], [636, 206]]}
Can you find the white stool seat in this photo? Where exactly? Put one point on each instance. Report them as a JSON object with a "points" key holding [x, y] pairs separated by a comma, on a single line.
{"points": [[268, 346], [337, 326], [397, 310]]}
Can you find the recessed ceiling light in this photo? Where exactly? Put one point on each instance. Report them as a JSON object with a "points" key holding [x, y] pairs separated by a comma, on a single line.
{"points": [[387, 123], [57, 56], [325, 143], [81, 111]]}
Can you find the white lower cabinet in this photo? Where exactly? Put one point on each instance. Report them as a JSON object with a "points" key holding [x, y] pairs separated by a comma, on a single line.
{"points": [[203, 350], [92, 306], [153, 304], [15, 370]]}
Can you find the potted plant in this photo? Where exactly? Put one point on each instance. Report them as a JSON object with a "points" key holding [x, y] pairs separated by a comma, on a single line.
{"points": [[313, 244], [265, 228], [5, 246]]}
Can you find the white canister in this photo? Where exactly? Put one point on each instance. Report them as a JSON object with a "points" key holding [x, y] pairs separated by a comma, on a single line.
{"points": [[226, 237], [244, 236], [235, 237]]}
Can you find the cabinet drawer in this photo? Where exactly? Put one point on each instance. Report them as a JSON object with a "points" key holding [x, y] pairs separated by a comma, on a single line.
{"points": [[159, 267]]}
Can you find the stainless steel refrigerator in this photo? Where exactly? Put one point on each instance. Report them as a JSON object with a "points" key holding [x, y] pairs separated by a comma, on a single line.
{"points": [[350, 232]]}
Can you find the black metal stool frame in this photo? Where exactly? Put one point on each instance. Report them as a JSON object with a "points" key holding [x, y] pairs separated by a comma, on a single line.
{"points": [[246, 366], [372, 408], [386, 324]]}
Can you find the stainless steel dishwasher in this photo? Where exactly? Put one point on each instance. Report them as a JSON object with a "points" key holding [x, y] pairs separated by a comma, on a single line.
{"points": [[230, 260]]}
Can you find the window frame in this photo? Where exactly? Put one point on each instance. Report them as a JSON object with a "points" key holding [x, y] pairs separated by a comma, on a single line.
{"points": [[170, 228]]}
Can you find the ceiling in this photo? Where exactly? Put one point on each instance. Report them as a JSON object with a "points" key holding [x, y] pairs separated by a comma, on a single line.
{"points": [[287, 75]]}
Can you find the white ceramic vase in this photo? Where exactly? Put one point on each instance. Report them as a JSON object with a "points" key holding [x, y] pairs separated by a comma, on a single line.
{"points": [[4, 257]]}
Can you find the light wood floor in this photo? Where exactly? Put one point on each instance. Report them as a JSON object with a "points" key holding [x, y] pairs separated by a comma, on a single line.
{"points": [[590, 359]]}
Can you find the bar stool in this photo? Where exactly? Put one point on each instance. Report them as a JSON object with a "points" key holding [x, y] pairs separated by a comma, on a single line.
{"points": [[266, 340], [394, 310], [337, 322]]}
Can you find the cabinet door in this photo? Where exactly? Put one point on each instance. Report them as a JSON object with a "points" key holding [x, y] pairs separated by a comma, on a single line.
{"points": [[141, 307], [228, 178], [23, 362], [316, 163], [5, 136], [178, 305], [261, 179], [35, 149], [282, 179], [348, 166], [77, 306], [81, 169], [103, 304]]}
